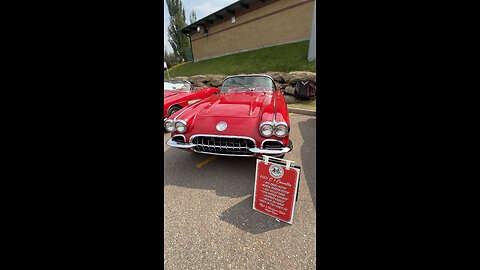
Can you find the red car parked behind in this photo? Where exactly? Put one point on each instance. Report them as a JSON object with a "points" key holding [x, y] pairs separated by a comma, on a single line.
{"points": [[179, 94]]}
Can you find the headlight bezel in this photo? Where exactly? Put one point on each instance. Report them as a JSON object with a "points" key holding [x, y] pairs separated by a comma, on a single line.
{"points": [[281, 124], [268, 123], [165, 125], [183, 123]]}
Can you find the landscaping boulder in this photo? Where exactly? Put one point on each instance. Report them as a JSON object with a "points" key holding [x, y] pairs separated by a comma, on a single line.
{"points": [[295, 76], [200, 85], [200, 79], [277, 76], [289, 99], [217, 80], [289, 90], [181, 78]]}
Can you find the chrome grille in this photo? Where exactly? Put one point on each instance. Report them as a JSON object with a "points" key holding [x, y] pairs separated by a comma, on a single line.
{"points": [[223, 145]]}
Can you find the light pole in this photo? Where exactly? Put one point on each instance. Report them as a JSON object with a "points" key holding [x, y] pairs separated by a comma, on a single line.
{"points": [[312, 47]]}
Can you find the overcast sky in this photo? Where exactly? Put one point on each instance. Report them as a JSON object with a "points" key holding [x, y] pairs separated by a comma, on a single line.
{"points": [[201, 7]]}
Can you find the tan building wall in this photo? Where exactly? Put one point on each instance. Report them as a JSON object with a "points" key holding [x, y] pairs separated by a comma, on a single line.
{"points": [[280, 22]]}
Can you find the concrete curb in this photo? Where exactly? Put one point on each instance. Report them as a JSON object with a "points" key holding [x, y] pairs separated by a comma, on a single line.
{"points": [[302, 111]]}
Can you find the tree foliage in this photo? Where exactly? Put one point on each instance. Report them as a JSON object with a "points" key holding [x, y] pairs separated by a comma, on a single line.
{"points": [[170, 59], [179, 41], [193, 17]]}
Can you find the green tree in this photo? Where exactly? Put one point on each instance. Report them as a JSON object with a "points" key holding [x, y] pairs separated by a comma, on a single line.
{"points": [[177, 40], [193, 16], [170, 59]]}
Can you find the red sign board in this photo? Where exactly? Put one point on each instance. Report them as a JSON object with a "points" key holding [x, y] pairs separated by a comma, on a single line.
{"points": [[276, 186]]}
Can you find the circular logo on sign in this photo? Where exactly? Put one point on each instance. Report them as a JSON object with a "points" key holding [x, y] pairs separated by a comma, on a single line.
{"points": [[221, 126], [276, 171]]}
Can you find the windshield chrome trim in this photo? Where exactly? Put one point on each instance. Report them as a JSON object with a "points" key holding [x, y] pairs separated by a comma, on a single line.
{"points": [[251, 75]]}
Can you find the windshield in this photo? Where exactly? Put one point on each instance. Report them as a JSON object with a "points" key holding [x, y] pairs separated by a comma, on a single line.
{"points": [[176, 86], [248, 84]]}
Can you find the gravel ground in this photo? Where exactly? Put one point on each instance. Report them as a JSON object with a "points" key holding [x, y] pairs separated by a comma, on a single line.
{"points": [[209, 220]]}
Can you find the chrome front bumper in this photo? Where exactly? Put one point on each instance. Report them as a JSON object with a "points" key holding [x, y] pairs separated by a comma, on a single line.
{"points": [[254, 150], [175, 144]]}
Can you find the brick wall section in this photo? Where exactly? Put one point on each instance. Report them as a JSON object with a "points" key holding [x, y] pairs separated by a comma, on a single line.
{"points": [[278, 22]]}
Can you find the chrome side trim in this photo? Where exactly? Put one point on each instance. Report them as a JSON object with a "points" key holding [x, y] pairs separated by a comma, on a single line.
{"points": [[192, 101]]}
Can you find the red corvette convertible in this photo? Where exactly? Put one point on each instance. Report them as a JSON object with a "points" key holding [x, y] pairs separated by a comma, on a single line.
{"points": [[249, 118], [179, 94]]}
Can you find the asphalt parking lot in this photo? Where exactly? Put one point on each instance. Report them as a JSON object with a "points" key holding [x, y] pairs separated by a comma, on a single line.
{"points": [[209, 221]]}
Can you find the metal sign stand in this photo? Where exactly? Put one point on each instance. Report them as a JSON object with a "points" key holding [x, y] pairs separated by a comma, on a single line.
{"points": [[288, 163]]}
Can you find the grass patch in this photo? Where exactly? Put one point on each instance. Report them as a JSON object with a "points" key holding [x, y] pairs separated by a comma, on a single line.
{"points": [[284, 58], [304, 104], [176, 66]]}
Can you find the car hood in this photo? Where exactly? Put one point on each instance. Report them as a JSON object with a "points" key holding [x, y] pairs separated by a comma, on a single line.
{"points": [[236, 104]]}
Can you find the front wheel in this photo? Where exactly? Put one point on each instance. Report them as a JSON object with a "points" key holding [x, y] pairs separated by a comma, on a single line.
{"points": [[173, 110]]}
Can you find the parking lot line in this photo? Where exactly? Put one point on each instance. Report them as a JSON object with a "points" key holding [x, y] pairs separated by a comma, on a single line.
{"points": [[203, 163]]}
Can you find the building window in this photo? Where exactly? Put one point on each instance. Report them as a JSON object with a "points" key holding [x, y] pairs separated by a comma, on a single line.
{"points": [[233, 19]]}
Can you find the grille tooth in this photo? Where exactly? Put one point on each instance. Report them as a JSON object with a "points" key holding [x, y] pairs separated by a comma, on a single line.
{"points": [[223, 145]]}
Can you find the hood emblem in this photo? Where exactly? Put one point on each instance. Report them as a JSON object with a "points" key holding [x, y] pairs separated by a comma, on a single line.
{"points": [[221, 126]]}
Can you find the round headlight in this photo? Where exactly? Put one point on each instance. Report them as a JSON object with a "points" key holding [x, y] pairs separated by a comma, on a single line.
{"points": [[281, 130], [169, 126], [181, 126], [266, 129]]}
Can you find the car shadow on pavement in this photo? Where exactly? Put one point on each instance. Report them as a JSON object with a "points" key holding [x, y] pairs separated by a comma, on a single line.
{"points": [[228, 176], [308, 156], [245, 218], [232, 177]]}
